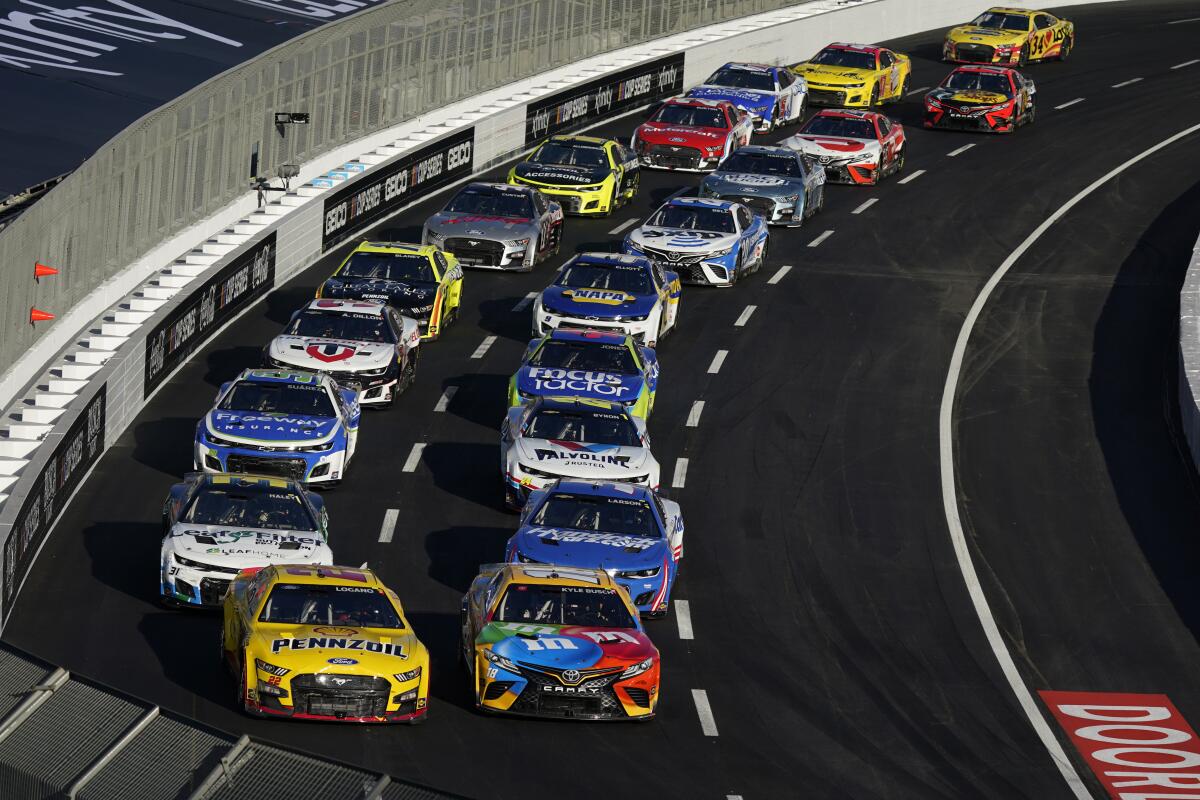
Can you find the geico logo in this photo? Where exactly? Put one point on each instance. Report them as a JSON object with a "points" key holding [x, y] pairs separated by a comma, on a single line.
{"points": [[335, 217], [429, 168], [458, 156], [396, 185], [572, 109], [321, 642]]}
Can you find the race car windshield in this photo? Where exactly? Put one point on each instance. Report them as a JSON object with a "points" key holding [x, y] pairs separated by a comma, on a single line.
{"points": [[585, 355], [840, 126], [570, 155], [981, 82], [762, 164], [694, 218], [563, 605], [837, 57], [407, 267], [250, 507], [1002, 22], [742, 79], [312, 604], [492, 203], [331, 325], [605, 514], [690, 116], [279, 398], [582, 275], [572, 426]]}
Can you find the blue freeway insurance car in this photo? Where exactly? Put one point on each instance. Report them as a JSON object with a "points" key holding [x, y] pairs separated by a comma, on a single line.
{"points": [[705, 241], [294, 424], [628, 531], [772, 96]]}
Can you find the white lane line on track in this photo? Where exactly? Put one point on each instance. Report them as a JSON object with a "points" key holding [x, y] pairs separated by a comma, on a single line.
{"points": [[817, 241], [865, 205], [1123, 84], [708, 723], [778, 276], [744, 317], [950, 493], [1070, 103], [917, 90], [693, 417], [912, 176], [414, 458], [733, 797], [483, 347], [960, 150], [679, 479], [1186, 63], [1181, 21], [717, 361], [524, 302], [388, 528], [622, 226], [444, 401], [683, 618]]}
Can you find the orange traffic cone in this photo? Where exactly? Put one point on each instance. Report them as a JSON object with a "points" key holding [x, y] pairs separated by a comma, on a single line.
{"points": [[37, 315], [42, 271]]}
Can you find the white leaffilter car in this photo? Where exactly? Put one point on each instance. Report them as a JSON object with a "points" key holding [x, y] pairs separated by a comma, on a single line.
{"points": [[364, 346]]}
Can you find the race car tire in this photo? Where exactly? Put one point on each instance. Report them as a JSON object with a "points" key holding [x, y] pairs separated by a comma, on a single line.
{"points": [[1023, 59], [874, 101], [1030, 114], [898, 164], [1065, 50], [239, 693], [903, 89], [613, 197]]}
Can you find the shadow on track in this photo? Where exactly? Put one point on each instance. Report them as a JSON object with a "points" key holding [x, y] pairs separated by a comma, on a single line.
{"points": [[455, 553], [161, 444], [467, 470], [124, 556]]}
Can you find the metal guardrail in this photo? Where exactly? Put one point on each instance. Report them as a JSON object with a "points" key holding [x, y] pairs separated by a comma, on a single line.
{"points": [[182, 162]]}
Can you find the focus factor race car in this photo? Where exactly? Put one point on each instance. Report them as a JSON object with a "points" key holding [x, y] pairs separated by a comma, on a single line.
{"points": [[776, 182], [610, 292], [298, 425], [364, 346], [498, 226], [418, 281], [772, 96], [712, 242], [855, 75], [584, 174], [691, 135], [554, 641], [603, 366], [628, 531], [1010, 36], [323, 643], [979, 98], [852, 146], [218, 525], [572, 437]]}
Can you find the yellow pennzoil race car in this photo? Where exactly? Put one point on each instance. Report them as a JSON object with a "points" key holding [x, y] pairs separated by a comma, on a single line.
{"points": [[585, 174], [322, 643], [855, 75], [1010, 36]]}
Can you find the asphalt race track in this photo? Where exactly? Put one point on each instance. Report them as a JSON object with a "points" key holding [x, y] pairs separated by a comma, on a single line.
{"points": [[833, 634]]}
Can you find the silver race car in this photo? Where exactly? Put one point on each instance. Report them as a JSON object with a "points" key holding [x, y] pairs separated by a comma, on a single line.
{"points": [[775, 182], [497, 226]]}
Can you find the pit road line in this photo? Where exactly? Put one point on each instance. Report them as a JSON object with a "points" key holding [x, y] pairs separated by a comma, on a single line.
{"points": [[1123, 84], [912, 176], [960, 150], [487, 342], [1070, 103], [817, 241], [717, 361], [917, 90], [708, 723], [414, 457], [444, 401], [524, 302], [622, 226], [778, 276], [679, 479], [1186, 63], [693, 417], [683, 618], [744, 317], [865, 205], [388, 528]]}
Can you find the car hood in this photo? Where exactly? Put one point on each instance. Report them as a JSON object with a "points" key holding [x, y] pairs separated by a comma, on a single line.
{"points": [[279, 429], [599, 303], [968, 97], [573, 548], [400, 294], [831, 146], [660, 133], [748, 99], [342, 355], [560, 174], [581, 460], [483, 227], [338, 649], [244, 548], [745, 183], [682, 239], [832, 75], [970, 33], [579, 383], [577, 647]]}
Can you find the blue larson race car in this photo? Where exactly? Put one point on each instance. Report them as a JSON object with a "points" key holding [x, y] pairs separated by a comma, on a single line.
{"points": [[298, 425], [706, 241], [605, 366], [772, 96], [628, 531]]}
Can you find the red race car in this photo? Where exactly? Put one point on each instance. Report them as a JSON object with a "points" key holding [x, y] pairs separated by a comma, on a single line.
{"points": [[691, 135], [853, 146], [981, 98]]}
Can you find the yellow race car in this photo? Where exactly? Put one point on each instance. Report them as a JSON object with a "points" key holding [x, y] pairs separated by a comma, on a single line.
{"points": [[324, 643], [1010, 36], [855, 75], [585, 174]]}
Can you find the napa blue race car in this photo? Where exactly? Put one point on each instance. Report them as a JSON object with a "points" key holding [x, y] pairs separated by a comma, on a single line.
{"points": [[604, 366], [772, 96], [293, 424], [628, 531], [705, 241]]}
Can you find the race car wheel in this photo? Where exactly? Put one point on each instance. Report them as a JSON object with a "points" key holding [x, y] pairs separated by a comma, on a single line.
{"points": [[874, 101], [898, 164], [1023, 59], [1030, 114], [613, 197], [1065, 50], [762, 259], [239, 695], [903, 90]]}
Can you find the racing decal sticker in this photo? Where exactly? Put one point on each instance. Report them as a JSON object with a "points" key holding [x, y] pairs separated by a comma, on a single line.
{"points": [[598, 296], [577, 380], [328, 352], [590, 537], [1138, 745], [337, 643]]}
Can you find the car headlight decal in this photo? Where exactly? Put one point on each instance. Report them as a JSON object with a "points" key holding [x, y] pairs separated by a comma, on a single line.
{"points": [[652, 572], [500, 660], [270, 669], [405, 677], [637, 669]]}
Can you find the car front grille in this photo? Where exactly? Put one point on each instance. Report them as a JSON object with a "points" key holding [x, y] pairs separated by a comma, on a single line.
{"points": [[975, 52], [475, 251], [639, 696], [496, 690], [690, 273], [669, 258], [212, 590], [332, 695], [294, 468], [761, 205], [826, 97], [673, 157]]}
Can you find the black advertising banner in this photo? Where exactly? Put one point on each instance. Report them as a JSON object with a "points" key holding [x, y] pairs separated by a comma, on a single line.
{"points": [[362, 201], [79, 449], [574, 108], [207, 308]]}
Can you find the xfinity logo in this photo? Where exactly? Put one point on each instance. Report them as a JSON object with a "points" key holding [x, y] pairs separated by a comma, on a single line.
{"points": [[541, 122], [604, 99], [666, 77]]}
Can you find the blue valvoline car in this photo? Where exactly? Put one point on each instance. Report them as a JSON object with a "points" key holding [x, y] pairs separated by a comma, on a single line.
{"points": [[606, 366], [772, 96], [298, 425], [705, 241], [628, 531]]}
